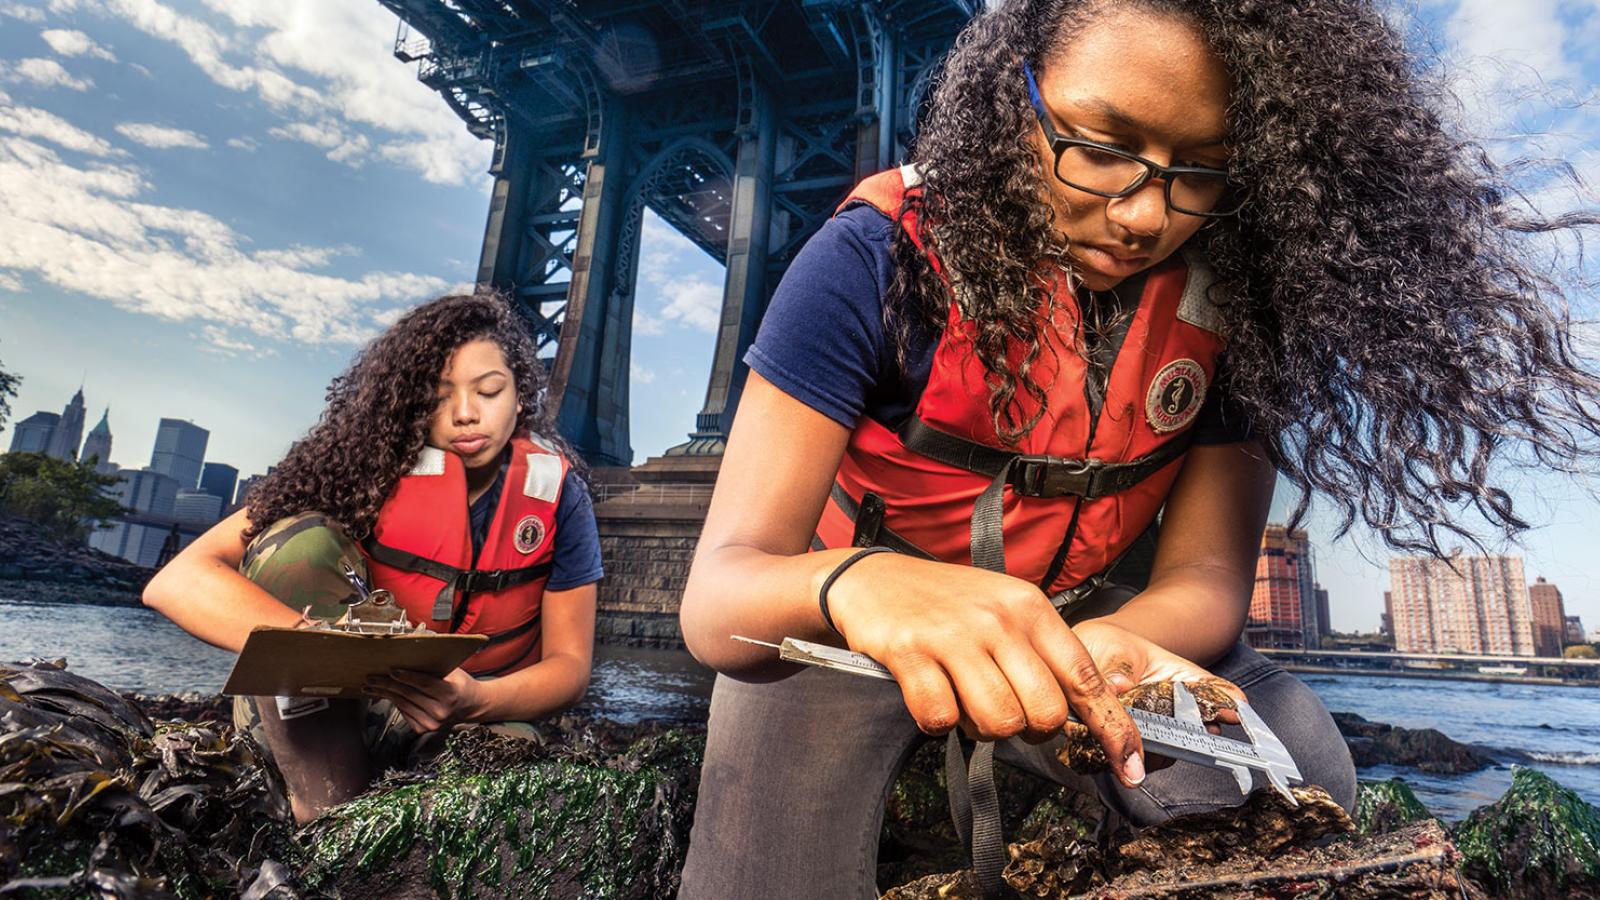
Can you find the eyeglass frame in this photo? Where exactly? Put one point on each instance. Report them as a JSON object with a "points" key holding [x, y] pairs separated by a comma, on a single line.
{"points": [[1060, 145]]}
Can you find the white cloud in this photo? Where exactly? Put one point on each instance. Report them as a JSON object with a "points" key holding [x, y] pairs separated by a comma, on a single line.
{"points": [[20, 11], [10, 282], [640, 374], [45, 73], [315, 62], [694, 302], [30, 122], [248, 145], [86, 229], [160, 137], [219, 341], [68, 42]]}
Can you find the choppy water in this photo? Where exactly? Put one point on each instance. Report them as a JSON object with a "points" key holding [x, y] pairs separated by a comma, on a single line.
{"points": [[1556, 729]]}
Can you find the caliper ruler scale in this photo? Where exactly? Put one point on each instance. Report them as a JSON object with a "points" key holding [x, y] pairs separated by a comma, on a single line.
{"points": [[1182, 735]]}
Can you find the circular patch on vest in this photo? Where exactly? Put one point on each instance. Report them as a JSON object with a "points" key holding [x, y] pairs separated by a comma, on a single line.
{"points": [[1175, 395], [529, 534]]}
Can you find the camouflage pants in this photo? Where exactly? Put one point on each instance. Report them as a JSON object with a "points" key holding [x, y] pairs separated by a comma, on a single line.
{"points": [[301, 561]]}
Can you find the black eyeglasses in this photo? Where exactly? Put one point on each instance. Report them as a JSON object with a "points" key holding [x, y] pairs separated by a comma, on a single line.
{"points": [[1110, 172]]}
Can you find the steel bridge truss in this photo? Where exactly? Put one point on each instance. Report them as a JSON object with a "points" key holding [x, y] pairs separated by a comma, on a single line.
{"points": [[741, 124]]}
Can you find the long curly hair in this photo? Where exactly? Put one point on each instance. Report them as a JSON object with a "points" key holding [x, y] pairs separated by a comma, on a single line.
{"points": [[378, 410], [1392, 338]]}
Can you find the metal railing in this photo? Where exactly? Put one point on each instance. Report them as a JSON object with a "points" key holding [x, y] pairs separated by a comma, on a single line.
{"points": [[659, 493]]}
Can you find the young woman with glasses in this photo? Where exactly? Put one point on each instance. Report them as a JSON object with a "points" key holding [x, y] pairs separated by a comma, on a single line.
{"points": [[1149, 257]]}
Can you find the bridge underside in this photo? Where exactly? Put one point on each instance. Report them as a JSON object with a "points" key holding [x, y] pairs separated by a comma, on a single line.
{"points": [[741, 124]]}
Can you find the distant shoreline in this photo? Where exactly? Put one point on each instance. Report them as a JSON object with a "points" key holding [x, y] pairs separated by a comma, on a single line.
{"points": [[68, 593], [1437, 675]]}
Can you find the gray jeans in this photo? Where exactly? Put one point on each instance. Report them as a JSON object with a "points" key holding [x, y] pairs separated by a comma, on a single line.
{"points": [[797, 772]]}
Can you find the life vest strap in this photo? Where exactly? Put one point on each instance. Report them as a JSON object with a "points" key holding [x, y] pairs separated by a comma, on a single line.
{"points": [[465, 581], [876, 534], [1038, 476]]}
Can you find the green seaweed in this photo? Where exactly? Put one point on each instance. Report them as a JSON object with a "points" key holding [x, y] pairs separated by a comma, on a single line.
{"points": [[1384, 806], [1550, 832], [573, 826]]}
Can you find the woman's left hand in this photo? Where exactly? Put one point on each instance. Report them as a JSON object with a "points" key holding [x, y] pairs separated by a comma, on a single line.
{"points": [[1126, 659], [429, 703]]}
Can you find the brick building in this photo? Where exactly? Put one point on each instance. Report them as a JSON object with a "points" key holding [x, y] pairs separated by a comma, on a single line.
{"points": [[1549, 618]]}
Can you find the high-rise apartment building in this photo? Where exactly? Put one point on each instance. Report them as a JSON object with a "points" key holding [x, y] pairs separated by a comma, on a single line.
{"points": [[196, 507], [32, 435], [97, 446], [1464, 604], [1549, 618], [1283, 607], [69, 431], [1324, 620], [180, 451], [219, 480], [1387, 624], [1574, 630]]}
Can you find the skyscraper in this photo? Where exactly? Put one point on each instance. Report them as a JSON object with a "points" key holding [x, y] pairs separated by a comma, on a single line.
{"points": [[97, 446], [1549, 617], [196, 507], [180, 450], [1324, 620], [1283, 608], [219, 480], [1465, 604], [1574, 630], [69, 431], [32, 435]]}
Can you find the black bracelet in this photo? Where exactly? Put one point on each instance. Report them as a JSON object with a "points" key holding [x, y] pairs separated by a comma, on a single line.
{"points": [[852, 559]]}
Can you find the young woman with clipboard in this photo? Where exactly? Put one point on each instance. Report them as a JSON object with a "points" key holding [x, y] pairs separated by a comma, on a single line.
{"points": [[435, 472]]}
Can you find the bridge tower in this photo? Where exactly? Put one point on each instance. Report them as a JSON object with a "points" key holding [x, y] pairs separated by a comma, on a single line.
{"points": [[741, 123]]}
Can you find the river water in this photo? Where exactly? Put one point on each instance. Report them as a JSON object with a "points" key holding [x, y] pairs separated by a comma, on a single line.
{"points": [[1556, 729]]}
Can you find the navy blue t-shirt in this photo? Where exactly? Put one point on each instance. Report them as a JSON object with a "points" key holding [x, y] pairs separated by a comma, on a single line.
{"points": [[577, 553], [823, 340]]}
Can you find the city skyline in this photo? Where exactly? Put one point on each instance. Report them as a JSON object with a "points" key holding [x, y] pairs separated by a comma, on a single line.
{"points": [[283, 188]]}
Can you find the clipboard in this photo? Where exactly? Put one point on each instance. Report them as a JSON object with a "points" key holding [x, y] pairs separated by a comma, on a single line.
{"points": [[321, 662]]}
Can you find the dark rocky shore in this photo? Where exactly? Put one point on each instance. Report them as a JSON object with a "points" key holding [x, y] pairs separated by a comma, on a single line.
{"points": [[37, 568], [114, 796]]}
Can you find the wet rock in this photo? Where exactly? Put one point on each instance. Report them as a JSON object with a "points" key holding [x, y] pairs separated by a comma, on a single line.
{"points": [[580, 811], [1375, 744], [1416, 861], [1384, 806], [37, 567], [1538, 840], [1264, 825]]}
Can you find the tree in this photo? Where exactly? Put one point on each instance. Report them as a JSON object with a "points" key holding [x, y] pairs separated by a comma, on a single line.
{"points": [[1580, 651], [8, 390], [65, 497]]}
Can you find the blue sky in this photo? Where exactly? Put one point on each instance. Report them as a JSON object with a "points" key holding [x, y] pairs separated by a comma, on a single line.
{"points": [[207, 205]]}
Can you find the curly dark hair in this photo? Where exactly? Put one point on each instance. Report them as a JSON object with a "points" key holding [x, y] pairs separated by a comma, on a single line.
{"points": [[378, 410], [1391, 340]]}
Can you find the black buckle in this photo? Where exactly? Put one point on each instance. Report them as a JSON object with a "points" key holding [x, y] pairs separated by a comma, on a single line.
{"points": [[476, 582], [1051, 476]]}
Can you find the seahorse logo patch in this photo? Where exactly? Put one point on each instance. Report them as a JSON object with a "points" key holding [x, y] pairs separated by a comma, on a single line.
{"points": [[529, 534], [1175, 396]]}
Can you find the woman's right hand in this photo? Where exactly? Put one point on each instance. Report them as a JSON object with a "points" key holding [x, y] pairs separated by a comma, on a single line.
{"points": [[979, 649]]}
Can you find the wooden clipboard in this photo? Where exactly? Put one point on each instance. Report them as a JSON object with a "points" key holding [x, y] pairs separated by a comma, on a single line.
{"points": [[316, 662]]}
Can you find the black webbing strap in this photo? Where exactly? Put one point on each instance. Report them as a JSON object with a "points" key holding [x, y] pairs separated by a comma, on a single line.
{"points": [[507, 635], [1038, 476], [465, 581], [883, 536], [975, 809]]}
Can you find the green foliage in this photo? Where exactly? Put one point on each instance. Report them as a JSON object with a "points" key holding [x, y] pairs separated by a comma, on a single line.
{"points": [[66, 498], [8, 390], [1384, 806], [1539, 840]]}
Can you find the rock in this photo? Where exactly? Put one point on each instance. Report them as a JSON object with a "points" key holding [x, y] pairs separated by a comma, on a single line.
{"points": [[1384, 806], [1263, 826], [1265, 848], [562, 816], [1374, 744], [1538, 840], [1417, 861]]}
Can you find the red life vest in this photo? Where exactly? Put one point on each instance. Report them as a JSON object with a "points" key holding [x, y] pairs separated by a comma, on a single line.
{"points": [[1079, 489], [421, 551]]}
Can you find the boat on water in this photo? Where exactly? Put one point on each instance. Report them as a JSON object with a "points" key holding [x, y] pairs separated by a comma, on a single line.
{"points": [[1503, 670], [1424, 664]]}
